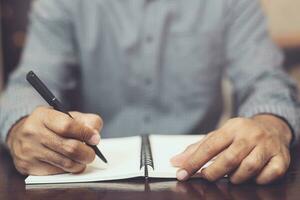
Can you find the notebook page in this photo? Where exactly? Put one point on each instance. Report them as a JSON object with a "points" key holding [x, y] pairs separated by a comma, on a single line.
{"points": [[164, 147], [123, 155]]}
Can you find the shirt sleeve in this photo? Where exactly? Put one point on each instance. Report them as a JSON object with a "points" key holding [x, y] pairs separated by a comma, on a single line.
{"points": [[260, 84], [50, 53]]}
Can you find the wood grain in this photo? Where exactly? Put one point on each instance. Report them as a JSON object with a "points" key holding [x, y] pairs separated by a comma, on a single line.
{"points": [[12, 187]]}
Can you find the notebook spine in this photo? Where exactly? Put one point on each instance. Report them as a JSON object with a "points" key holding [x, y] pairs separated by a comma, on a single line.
{"points": [[146, 154]]}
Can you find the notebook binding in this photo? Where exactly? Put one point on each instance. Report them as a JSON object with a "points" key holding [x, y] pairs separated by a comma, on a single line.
{"points": [[146, 154]]}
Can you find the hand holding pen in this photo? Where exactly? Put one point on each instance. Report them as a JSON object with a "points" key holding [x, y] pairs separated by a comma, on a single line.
{"points": [[48, 141], [48, 96]]}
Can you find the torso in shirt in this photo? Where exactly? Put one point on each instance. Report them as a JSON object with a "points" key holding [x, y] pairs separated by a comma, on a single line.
{"points": [[151, 66]]}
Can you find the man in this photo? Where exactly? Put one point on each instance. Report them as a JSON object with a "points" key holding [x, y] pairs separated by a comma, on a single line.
{"points": [[152, 66]]}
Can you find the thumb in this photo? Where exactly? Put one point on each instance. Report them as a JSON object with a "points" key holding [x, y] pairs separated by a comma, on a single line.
{"points": [[91, 120]]}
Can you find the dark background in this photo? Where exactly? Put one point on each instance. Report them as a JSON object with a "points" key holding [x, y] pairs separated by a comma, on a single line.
{"points": [[14, 19]]}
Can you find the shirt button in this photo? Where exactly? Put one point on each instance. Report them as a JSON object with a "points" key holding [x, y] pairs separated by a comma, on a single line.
{"points": [[149, 39], [148, 81], [147, 119]]}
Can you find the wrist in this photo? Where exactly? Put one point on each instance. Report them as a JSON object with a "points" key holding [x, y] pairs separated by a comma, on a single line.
{"points": [[12, 130], [276, 125]]}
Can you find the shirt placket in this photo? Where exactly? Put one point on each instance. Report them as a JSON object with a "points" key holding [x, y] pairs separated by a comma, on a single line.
{"points": [[151, 40]]}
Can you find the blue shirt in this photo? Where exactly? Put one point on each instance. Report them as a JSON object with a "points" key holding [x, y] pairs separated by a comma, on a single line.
{"points": [[151, 66]]}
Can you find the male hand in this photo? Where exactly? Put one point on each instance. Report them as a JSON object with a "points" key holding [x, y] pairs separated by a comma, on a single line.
{"points": [[245, 148], [50, 142]]}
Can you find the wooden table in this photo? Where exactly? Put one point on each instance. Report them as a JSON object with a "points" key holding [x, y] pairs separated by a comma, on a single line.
{"points": [[12, 187]]}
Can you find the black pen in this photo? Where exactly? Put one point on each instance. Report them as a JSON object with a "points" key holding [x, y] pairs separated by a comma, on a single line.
{"points": [[41, 88]]}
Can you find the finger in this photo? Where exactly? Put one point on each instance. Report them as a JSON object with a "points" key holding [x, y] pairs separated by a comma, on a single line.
{"points": [[61, 161], [65, 126], [92, 120], [205, 151], [251, 165], [73, 149], [178, 160], [275, 169], [227, 161], [40, 168]]}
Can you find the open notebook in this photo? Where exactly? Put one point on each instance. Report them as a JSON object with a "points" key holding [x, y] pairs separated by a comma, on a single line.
{"points": [[129, 157]]}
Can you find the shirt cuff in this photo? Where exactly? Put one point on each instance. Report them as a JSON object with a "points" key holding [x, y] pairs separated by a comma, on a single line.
{"points": [[9, 117], [286, 113]]}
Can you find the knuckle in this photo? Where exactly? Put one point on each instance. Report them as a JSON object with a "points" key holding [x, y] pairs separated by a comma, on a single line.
{"points": [[192, 165], [208, 175], [278, 170], [242, 143], [207, 148], [28, 127], [260, 134], [250, 165], [67, 164], [71, 148], [66, 126], [231, 159]]}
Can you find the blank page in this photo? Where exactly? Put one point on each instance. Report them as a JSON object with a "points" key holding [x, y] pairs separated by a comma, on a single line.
{"points": [[123, 155], [164, 147]]}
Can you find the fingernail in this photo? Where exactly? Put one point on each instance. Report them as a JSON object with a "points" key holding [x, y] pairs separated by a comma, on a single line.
{"points": [[95, 139], [176, 156], [175, 161], [182, 175]]}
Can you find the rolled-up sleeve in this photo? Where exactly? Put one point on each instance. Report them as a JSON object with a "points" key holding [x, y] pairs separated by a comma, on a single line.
{"points": [[50, 52], [255, 67]]}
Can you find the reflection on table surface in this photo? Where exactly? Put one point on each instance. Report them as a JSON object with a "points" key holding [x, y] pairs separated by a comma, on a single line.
{"points": [[12, 187], [160, 188]]}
